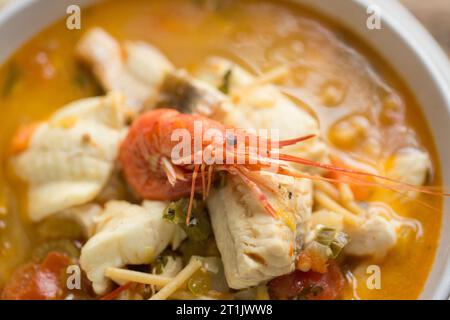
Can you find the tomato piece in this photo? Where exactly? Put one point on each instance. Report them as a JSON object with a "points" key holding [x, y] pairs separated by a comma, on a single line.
{"points": [[35, 281], [308, 285]]}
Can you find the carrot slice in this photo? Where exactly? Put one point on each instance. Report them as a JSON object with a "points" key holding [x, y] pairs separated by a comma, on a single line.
{"points": [[22, 137], [309, 285]]}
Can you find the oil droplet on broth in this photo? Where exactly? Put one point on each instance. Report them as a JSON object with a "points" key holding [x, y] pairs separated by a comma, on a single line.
{"points": [[349, 132], [286, 51], [332, 93], [392, 110]]}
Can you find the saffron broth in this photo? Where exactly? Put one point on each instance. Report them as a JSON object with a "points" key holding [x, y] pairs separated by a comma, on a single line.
{"points": [[365, 111]]}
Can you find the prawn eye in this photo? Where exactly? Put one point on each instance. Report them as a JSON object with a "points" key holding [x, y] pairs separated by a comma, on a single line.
{"points": [[231, 140], [170, 213]]}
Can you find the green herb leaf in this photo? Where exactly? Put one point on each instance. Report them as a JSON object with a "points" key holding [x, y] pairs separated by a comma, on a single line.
{"points": [[225, 86], [325, 236], [339, 242], [332, 239], [199, 227]]}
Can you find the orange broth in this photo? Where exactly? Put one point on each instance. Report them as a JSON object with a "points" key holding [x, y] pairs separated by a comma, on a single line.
{"points": [[333, 75]]}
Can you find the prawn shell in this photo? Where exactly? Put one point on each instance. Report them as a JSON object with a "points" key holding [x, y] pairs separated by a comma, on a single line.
{"points": [[147, 142]]}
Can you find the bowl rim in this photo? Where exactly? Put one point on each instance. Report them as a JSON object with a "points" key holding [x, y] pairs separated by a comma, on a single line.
{"points": [[399, 21], [401, 26]]}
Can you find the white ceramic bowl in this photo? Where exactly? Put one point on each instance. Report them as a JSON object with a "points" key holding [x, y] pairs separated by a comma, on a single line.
{"points": [[401, 41]]}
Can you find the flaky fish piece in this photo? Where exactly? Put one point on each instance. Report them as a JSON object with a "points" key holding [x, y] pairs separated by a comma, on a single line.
{"points": [[67, 160], [134, 68], [126, 234]]}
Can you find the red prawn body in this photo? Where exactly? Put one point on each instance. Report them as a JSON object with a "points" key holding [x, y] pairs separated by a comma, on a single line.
{"points": [[148, 143], [147, 151], [146, 156]]}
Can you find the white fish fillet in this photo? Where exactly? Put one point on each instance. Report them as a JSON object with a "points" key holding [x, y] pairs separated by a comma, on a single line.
{"points": [[370, 235], [255, 246], [377, 235], [135, 68], [374, 237], [126, 234], [410, 166], [70, 157]]}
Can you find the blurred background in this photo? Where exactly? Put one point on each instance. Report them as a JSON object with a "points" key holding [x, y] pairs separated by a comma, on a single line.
{"points": [[434, 15]]}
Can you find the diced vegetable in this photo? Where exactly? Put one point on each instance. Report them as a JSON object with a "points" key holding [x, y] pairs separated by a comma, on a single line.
{"points": [[45, 281], [327, 245], [308, 285], [339, 242], [325, 235], [199, 227], [332, 239], [225, 86]]}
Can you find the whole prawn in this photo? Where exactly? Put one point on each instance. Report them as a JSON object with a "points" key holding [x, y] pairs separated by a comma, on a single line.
{"points": [[146, 158]]}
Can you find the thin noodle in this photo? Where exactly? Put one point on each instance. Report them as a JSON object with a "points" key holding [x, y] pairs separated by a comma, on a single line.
{"points": [[346, 193], [135, 276], [328, 203], [178, 280], [327, 188]]}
